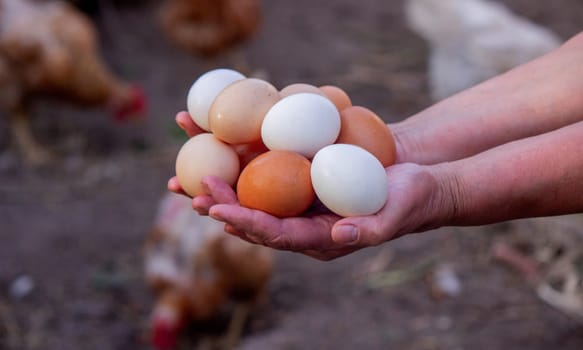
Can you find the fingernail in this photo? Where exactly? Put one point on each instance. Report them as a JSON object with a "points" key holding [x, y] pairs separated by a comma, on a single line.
{"points": [[213, 214], [345, 234], [205, 187]]}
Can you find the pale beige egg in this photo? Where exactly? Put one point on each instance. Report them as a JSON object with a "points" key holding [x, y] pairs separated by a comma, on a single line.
{"points": [[299, 88], [205, 155], [238, 111]]}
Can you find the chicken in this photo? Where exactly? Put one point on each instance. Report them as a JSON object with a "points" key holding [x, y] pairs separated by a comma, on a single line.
{"points": [[211, 27], [49, 49], [473, 40], [196, 270]]}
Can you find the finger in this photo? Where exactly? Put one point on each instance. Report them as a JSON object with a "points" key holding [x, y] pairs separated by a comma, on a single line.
{"points": [[219, 190], [359, 230], [295, 234], [174, 186], [202, 204], [186, 123], [232, 231]]}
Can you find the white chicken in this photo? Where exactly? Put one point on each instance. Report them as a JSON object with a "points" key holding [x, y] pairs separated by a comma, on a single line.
{"points": [[196, 269], [474, 40]]}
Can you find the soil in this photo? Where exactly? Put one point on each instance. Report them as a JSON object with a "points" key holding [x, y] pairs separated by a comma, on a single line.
{"points": [[75, 228]]}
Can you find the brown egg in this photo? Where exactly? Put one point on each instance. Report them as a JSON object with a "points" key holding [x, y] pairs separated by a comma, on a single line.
{"points": [[249, 151], [362, 127], [338, 96], [278, 183], [205, 155], [236, 114], [299, 88]]}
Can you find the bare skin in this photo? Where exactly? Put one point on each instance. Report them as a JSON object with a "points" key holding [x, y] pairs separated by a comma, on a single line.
{"points": [[508, 148]]}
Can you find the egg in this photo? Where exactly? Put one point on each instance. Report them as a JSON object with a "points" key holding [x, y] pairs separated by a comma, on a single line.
{"points": [[278, 183], [205, 89], [349, 180], [297, 88], [338, 96], [362, 127], [205, 155], [237, 113], [302, 123]]}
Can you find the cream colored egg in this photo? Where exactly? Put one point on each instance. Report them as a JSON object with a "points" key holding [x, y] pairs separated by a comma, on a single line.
{"points": [[238, 111], [205, 155]]}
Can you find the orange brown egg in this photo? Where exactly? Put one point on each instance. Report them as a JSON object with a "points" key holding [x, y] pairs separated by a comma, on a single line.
{"points": [[362, 127], [278, 183], [338, 96]]}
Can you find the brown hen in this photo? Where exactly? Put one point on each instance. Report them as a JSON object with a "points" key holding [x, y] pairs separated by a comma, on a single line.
{"points": [[49, 49], [210, 27], [197, 270]]}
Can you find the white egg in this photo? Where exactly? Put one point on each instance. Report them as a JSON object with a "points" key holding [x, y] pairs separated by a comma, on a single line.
{"points": [[205, 89], [349, 180], [303, 123]]}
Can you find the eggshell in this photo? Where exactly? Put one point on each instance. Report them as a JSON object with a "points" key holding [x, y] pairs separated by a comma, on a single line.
{"points": [[205, 89], [297, 88], [338, 96], [349, 180], [278, 183], [238, 111], [362, 127], [302, 123], [205, 155]]}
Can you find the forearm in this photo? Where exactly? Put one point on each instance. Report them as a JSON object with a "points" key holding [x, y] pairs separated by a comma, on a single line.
{"points": [[536, 176], [535, 98]]}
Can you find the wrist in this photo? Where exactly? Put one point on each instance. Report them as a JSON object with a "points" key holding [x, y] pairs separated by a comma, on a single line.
{"points": [[449, 200], [405, 143], [427, 197]]}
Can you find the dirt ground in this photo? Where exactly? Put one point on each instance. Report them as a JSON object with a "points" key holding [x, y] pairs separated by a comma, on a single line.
{"points": [[76, 227]]}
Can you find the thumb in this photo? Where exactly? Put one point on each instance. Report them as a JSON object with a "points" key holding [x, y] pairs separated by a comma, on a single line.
{"points": [[362, 231]]}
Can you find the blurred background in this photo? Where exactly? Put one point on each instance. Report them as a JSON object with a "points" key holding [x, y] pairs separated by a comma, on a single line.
{"points": [[79, 191]]}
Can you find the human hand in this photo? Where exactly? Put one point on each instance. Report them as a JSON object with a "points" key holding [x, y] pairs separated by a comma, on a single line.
{"points": [[319, 233], [413, 196]]}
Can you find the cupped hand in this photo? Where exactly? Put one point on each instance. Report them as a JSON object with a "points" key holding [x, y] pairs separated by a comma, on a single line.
{"points": [[321, 234], [414, 198]]}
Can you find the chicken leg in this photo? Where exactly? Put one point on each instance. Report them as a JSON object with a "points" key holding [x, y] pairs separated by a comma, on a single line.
{"points": [[20, 124], [236, 325]]}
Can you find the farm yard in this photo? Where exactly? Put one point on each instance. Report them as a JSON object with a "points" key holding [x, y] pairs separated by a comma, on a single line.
{"points": [[71, 266]]}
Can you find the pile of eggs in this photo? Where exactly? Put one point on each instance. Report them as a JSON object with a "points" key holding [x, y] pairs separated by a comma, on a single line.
{"points": [[280, 149]]}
